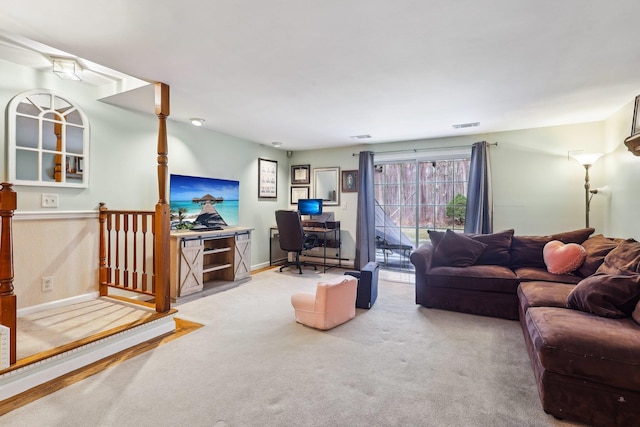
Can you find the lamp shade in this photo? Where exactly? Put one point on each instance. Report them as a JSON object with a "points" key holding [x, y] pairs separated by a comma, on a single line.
{"points": [[586, 158]]}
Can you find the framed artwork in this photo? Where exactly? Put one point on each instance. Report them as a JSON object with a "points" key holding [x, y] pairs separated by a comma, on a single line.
{"points": [[350, 181], [299, 193], [267, 179], [635, 125], [300, 174]]}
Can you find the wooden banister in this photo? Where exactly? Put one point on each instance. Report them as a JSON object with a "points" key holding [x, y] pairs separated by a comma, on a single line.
{"points": [[8, 300]]}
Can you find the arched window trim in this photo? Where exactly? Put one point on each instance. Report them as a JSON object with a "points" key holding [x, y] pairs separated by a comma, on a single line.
{"points": [[79, 178]]}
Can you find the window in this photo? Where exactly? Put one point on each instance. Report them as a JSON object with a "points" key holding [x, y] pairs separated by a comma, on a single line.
{"points": [[414, 196], [48, 141]]}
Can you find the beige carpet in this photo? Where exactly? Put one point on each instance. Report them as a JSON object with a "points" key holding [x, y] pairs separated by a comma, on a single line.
{"points": [[49, 329], [251, 365]]}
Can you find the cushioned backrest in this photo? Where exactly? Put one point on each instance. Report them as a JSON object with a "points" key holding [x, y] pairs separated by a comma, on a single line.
{"points": [[290, 230], [337, 295]]}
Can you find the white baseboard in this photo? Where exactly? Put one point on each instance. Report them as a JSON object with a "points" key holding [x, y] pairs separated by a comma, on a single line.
{"points": [[57, 304]]}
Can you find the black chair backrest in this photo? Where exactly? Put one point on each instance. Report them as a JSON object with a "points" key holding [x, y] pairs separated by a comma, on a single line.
{"points": [[290, 230]]}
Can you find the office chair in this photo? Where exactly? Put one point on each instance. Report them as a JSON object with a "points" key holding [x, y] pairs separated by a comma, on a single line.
{"points": [[292, 237]]}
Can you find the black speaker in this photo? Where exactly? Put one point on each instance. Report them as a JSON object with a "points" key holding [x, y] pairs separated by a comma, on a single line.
{"points": [[289, 154]]}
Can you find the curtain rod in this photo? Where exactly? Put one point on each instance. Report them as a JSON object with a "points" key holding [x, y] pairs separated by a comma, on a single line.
{"points": [[417, 150]]}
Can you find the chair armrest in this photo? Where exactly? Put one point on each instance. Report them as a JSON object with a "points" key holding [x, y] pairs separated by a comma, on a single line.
{"points": [[304, 301]]}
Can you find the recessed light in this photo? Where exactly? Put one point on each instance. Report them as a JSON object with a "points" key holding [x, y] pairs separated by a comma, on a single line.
{"points": [[466, 125], [276, 144], [196, 121], [365, 136]]}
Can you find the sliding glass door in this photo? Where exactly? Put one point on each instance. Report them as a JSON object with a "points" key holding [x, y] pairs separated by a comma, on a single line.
{"points": [[413, 196]]}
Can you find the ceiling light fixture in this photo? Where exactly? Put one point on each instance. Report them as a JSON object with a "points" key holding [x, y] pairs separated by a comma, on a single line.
{"points": [[466, 125], [66, 69], [364, 136], [197, 122], [276, 144]]}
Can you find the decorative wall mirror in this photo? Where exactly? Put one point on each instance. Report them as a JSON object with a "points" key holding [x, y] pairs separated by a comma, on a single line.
{"points": [[48, 141], [326, 185]]}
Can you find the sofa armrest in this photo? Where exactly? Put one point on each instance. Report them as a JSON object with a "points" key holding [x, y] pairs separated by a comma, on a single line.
{"points": [[421, 257]]}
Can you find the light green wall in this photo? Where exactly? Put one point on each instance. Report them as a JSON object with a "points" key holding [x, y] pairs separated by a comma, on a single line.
{"points": [[123, 158], [537, 188], [622, 204]]}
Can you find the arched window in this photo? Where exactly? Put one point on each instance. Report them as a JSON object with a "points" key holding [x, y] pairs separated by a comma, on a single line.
{"points": [[48, 141]]}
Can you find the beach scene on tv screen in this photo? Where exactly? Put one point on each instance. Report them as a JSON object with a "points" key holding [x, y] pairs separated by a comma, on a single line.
{"points": [[200, 202]]}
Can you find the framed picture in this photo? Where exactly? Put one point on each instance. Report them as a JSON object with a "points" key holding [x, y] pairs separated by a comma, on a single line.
{"points": [[300, 174], [267, 179], [350, 181], [299, 193], [635, 125]]}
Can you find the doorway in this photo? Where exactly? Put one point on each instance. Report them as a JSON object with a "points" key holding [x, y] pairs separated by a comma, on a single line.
{"points": [[412, 197]]}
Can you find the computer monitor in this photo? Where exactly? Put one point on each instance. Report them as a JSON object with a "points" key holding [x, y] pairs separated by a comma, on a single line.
{"points": [[310, 206]]}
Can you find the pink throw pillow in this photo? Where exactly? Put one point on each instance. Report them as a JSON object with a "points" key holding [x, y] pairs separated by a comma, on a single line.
{"points": [[563, 258]]}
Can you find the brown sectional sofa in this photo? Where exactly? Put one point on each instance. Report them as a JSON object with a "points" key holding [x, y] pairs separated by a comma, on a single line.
{"points": [[586, 358]]}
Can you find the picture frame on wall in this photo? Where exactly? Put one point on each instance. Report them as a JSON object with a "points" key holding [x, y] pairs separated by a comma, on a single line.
{"points": [[350, 181], [635, 125], [267, 179], [299, 193], [300, 174]]}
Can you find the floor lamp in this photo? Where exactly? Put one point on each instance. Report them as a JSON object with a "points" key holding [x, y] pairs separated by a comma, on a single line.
{"points": [[586, 160]]}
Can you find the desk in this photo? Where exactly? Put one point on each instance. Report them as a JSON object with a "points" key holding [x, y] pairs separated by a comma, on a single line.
{"points": [[328, 237]]}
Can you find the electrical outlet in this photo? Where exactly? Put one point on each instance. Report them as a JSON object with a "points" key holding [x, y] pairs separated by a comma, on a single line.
{"points": [[49, 200], [47, 284]]}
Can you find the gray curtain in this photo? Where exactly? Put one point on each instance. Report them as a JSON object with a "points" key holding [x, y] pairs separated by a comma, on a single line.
{"points": [[479, 215], [366, 220]]}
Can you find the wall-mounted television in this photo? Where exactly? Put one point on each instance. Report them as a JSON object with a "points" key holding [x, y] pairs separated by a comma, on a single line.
{"points": [[310, 206], [203, 203]]}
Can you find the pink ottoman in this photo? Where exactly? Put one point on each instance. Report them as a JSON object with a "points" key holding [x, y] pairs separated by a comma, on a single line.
{"points": [[333, 303]]}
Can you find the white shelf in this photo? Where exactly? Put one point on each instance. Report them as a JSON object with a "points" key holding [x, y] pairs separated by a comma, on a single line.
{"points": [[216, 251], [214, 267]]}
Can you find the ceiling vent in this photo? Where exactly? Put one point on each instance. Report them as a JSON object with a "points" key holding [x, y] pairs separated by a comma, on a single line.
{"points": [[466, 125], [366, 136]]}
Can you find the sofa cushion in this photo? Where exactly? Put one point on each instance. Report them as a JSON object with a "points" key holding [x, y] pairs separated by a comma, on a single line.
{"points": [[525, 274], [596, 247], [526, 251], [606, 295], [498, 247], [457, 250], [435, 236], [491, 278], [578, 344], [623, 259], [543, 294], [562, 258], [636, 313]]}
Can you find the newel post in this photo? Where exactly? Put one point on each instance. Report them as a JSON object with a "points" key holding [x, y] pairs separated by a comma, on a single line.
{"points": [[8, 300], [102, 278], [162, 216]]}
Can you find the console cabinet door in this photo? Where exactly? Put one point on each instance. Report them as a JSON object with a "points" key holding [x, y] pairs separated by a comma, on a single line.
{"points": [[191, 269], [242, 256]]}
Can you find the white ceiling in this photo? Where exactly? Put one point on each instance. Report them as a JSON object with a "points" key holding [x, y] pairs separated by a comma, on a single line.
{"points": [[312, 73]]}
